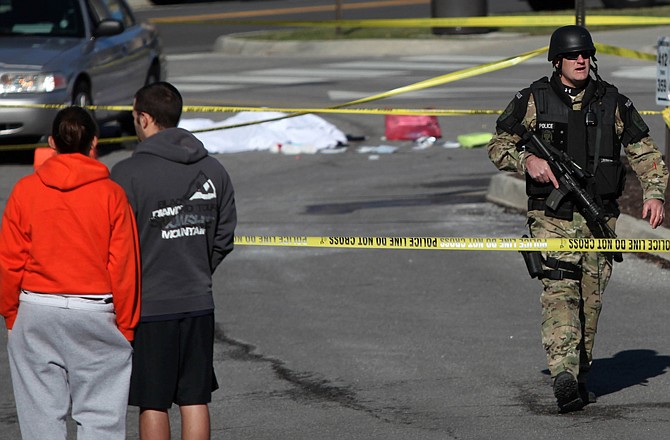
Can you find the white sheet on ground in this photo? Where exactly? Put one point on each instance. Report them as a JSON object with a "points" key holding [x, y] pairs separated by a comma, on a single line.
{"points": [[306, 130]]}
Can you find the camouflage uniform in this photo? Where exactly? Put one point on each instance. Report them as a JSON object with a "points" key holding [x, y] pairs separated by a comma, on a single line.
{"points": [[570, 308]]}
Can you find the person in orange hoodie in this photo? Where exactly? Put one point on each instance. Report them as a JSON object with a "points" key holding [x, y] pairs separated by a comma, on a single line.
{"points": [[70, 289]]}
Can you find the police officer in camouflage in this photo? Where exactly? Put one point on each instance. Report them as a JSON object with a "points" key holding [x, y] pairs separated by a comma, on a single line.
{"points": [[577, 112]]}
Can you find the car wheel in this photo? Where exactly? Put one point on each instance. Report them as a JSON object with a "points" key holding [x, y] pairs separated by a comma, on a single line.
{"points": [[153, 75], [621, 4], [82, 95], [555, 5]]}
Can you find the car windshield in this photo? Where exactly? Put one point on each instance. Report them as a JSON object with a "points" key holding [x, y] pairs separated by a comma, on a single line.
{"points": [[60, 18]]}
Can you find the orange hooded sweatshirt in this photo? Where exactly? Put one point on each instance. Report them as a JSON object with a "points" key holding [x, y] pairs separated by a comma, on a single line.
{"points": [[68, 229]]}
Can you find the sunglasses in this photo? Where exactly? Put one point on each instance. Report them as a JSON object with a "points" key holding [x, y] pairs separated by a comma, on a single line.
{"points": [[586, 54]]}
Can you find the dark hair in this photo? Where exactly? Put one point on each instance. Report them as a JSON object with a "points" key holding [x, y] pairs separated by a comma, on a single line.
{"points": [[73, 130], [162, 101]]}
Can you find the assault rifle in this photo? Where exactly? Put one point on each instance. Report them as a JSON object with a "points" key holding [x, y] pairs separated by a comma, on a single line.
{"points": [[570, 175]]}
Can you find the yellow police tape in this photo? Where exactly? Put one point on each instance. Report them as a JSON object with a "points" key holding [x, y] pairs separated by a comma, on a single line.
{"points": [[623, 52], [227, 109], [488, 21], [341, 108], [443, 79], [462, 244]]}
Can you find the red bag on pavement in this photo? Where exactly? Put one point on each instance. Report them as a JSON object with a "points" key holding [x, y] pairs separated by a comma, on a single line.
{"points": [[411, 127]]}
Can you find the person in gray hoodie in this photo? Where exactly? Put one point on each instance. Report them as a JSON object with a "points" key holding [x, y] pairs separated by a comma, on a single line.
{"points": [[184, 205]]}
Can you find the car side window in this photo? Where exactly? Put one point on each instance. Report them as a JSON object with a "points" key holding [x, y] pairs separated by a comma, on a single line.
{"points": [[114, 9]]}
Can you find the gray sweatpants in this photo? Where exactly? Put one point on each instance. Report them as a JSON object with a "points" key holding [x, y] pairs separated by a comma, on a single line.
{"points": [[61, 354]]}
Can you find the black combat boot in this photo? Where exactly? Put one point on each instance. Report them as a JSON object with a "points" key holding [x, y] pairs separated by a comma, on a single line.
{"points": [[586, 395], [566, 391], [582, 379]]}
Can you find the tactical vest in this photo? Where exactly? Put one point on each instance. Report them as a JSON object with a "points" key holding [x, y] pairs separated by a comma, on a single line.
{"points": [[587, 135]]}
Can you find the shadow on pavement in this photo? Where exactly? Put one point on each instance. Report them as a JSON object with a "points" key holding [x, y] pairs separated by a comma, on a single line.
{"points": [[447, 198], [626, 369]]}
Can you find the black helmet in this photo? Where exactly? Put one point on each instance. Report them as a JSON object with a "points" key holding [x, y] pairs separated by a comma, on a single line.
{"points": [[568, 39]]}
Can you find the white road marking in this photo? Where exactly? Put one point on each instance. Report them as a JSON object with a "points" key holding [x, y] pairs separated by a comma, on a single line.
{"points": [[243, 78], [325, 72], [435, 92], [647, 72]]}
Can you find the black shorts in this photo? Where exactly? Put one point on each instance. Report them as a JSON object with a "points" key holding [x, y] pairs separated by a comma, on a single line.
{"points": [[173, 363]]}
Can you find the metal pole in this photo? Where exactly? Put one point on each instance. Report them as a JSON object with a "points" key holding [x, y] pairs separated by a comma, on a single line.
{"points": [[580, 15], [338, 15]]}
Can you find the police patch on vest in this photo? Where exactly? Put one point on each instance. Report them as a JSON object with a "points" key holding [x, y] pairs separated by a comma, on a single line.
{"points": [[508, 111], [545, 125], [639, 123], [547, 135]]}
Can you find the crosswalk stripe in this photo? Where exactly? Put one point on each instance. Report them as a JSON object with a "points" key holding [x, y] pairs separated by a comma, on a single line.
{"points": [[407, 65], [325, 72], [199, 88], [647, 72], [242, 78], [470, 59], [433, 93]]}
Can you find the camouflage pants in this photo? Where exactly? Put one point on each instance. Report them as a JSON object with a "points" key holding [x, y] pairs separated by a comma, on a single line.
{"points": [[571, 308]]}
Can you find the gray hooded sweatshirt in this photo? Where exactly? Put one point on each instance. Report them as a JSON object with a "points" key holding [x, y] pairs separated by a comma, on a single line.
{"points": [[184, 205]]}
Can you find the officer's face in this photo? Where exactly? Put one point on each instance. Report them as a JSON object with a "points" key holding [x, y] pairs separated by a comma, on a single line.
{"points": [[575, 71]]}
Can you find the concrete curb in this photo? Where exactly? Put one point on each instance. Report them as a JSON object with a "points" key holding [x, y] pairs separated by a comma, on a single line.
{"points": [[241, 44], [506, 190]]}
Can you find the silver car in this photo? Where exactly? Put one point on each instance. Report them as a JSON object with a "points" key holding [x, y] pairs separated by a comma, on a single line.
{"points": [[71, 52]]}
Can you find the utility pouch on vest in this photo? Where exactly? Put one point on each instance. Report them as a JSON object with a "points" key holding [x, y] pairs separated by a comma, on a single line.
{"points": [[610, 179], [564, 211]]}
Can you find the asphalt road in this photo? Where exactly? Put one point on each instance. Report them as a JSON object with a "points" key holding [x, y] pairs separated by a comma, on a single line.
{"points": [[366, 344]]}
